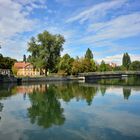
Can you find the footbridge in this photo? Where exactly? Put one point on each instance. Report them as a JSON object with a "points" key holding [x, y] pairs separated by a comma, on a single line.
{"points": [[106, 75]]}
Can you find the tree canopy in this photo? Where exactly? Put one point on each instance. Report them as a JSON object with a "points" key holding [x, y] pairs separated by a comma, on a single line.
{"points": [[126, 61], [89, 54], [45, 50], [135, 65], [6, 62], [65, 64]]}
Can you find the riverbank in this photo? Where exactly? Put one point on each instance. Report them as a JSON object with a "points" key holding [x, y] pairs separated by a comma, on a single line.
{"points": [[12, 79]]}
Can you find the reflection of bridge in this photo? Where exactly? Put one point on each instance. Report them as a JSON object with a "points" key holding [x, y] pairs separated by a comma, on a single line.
{"points": [[105, 75]]}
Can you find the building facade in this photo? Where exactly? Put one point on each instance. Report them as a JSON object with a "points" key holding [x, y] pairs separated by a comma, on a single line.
{"points": [[27, 69]]}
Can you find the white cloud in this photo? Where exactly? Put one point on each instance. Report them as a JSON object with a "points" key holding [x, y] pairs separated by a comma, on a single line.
{"points": [[118, 28], [118, 58], [14, 22], [97, 11]]}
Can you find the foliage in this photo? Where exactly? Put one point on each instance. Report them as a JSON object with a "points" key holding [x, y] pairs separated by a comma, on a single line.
{"points": [[135, 65], [14, 70], [45, 50], [104, 67], [83, 65], [89, 54], [119, 68], [61, 73], [65, 64], [126, 61], [6, 62]]}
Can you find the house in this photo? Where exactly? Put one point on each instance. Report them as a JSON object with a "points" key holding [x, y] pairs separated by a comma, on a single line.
{"points": [[113, 65], [27, 69]]}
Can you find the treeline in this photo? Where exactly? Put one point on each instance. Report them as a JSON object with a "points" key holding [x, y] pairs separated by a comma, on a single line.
{"points": [[69, 65], [45, 52], [6, 62]]}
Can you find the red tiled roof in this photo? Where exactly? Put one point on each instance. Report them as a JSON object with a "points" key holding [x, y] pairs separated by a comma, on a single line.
{"points": [[21, 64]]}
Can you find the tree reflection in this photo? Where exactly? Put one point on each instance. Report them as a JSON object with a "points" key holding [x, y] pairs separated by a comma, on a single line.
{"points": [[126, 93], [1, 107], [103, 90], [46, 109], [123, 81], [70, 91]]}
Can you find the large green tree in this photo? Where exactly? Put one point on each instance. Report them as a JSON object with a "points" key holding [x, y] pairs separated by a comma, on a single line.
{"points": [[89, 54], [126, 61], [45, 50]]}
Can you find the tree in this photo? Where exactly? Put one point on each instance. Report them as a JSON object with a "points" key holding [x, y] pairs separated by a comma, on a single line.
{"points": [[102, 66], [45, 50], [65, 64], [126, 61], [135, 65], [89, 54], [83, 65], [14, 70], [6, 62], [24, 58]]}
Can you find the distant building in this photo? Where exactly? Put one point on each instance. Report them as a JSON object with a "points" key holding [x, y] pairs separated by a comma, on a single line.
{"points": [[27, 69], [113, 65], [30, 88]]}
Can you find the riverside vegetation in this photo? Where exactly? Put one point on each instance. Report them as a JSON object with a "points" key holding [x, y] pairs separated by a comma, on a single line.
{"points": [[45, 50]]}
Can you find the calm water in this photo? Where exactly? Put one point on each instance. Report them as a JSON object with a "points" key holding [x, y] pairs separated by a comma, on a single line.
{"points": [[71, 111]]}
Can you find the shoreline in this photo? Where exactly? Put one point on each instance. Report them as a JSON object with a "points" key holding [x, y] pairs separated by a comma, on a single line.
{"points": [[12, 79]]}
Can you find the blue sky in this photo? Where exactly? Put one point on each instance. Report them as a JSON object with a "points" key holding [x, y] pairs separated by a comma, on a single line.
{"points": [[108, 27]]}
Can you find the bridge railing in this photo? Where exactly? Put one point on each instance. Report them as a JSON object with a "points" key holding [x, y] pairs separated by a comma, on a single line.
{"points": [[110, 73]]}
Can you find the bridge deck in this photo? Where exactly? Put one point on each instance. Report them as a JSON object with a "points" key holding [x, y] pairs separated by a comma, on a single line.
{"points": [[110, 73], [106, 75]]}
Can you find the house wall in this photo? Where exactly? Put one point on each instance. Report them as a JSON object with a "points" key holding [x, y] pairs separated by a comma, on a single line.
{"points": [[28, 71]]}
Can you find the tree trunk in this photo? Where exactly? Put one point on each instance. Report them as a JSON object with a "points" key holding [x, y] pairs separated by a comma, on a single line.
{"points": [[46, 70]]}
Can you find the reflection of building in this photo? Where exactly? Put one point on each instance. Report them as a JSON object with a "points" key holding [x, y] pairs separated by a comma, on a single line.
{"points": [[31, 88], [27, 69]]}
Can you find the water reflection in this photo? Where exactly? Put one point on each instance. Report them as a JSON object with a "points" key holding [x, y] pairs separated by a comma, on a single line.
{"points": [[45, 108], [124, 81], [70, 111], [103, 90], [1, 107], [126, 93], [76, 91]]}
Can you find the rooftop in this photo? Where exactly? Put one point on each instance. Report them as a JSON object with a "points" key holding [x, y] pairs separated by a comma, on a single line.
{"points": [[21, 64]]}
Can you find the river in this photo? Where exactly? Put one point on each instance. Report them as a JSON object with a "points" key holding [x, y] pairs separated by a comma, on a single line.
{"points": [[105, 110]]}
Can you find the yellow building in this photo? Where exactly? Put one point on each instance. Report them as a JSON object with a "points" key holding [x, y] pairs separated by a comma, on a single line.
{"points": [[27, 69]]}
